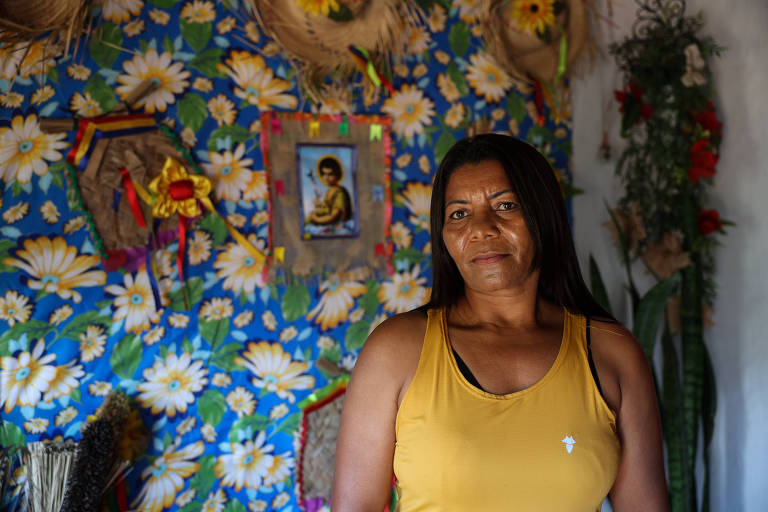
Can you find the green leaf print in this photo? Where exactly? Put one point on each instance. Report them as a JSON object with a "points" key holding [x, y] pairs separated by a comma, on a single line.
{"points": [[215, 331], [216, 227], [211, 406], [206, 63], [11, 435], [234, 506], [459, 38], [164, 4], [203, 480], [356, 335], [235, 133], [5, 248], [80, 324], [224, 357], [295, 302], [34, 329], [444, 143], [455, 74], [516, 107], [193, 111], [101, 92], [196, 35], [105, 44], [257, 422], [370, 301], [194, 291], [126, 356]]}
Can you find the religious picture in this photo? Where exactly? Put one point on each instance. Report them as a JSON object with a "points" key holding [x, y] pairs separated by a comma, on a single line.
{"points": [[328, 196]]}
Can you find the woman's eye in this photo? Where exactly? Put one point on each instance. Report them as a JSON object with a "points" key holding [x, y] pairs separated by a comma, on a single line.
{"points": [[507, 205], [458, 214]]}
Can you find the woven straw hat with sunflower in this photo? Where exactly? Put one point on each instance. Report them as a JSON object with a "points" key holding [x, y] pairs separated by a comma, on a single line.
{"points": [[541, 38], [316, 34]]}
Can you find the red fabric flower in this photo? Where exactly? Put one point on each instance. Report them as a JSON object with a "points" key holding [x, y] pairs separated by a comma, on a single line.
{"points": [[709, 222], [636, 90], [703, 161], [646, 111], [708, 120]]}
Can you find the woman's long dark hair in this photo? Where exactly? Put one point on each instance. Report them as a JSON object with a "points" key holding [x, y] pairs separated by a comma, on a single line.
{"points": [[535, 185]]}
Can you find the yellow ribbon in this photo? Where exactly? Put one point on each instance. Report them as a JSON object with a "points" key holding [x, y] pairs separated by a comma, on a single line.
{"points": [[314, 128], [197, 188], [280, 254]]}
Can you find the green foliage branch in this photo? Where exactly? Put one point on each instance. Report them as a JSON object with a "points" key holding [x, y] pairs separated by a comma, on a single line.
{"points": [[672, 139]]}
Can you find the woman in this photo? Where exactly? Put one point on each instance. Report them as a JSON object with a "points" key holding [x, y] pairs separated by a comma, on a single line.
{"points": [[516, 391]]}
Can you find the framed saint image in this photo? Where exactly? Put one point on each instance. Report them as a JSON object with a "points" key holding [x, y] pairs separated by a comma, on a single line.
{"points": [[328, 199]]}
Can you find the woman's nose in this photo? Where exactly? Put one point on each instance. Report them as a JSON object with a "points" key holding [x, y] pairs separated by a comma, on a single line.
{"points": [[483, 225]]}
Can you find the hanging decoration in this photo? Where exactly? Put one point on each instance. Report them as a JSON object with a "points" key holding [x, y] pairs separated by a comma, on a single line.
{"points": [[330, 40], [672, 134], [319, 428], [538, 39], [330, 198]]}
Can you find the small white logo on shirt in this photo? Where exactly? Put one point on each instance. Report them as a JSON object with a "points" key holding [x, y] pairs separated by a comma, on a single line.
{"points": [[569, 442]]}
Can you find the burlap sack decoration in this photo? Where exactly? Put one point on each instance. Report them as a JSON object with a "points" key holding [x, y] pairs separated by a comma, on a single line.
{"points": [[525, 36], [101, 186], [318, 44]]}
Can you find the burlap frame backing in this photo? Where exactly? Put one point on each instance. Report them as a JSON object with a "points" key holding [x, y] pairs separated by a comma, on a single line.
{"points": [[319, 449], [279, 137]]}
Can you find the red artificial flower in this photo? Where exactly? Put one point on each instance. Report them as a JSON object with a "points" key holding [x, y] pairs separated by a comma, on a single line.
{"points": [[708, 120], [709, 222], [636, 90], [703, 161], [646, 111]]}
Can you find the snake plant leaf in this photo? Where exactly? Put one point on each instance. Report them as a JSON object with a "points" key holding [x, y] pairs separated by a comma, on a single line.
{"points": [[708, 409], [672, 419], [650, 312], [693, 363], [597, 285]]}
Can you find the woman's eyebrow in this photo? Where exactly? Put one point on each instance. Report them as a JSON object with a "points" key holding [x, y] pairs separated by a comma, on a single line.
{"points": [[457, 201], [501, 193]]}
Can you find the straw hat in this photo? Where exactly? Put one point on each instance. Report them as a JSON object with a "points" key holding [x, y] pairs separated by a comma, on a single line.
{"points": [[23, 21], [318, 43], [525, 36]]}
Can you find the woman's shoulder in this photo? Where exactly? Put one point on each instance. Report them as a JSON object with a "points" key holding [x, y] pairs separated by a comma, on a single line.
{"points": [[402, 332], [390, 356], [619, 358]]}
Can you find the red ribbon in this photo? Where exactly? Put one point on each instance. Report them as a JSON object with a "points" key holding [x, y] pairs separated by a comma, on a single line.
{"points": [[133, 198], [279, 187], [122, 498], [181, 190], [182, 247], [379, 249]]}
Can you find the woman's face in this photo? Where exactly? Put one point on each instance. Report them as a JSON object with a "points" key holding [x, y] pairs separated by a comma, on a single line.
{"points": [[484, 229]]}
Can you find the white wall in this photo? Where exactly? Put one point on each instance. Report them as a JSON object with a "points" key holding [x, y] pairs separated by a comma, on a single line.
{"points": [[739, 340]]}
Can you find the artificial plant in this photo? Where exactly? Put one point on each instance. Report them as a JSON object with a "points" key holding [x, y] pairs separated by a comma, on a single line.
{"points": [[672, 139]]}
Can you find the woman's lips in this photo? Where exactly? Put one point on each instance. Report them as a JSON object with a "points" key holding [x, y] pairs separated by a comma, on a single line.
{"points": [[485, 259]]}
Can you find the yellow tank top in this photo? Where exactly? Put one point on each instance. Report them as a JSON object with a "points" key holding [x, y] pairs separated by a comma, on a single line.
{"points": [[550, 447]]}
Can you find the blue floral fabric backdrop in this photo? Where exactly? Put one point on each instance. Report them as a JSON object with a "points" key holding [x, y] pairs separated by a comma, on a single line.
{"points": [[218, 386]]}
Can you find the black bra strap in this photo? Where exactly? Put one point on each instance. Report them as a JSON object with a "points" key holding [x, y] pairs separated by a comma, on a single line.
{"points": [[465, 371], [591, 360]]}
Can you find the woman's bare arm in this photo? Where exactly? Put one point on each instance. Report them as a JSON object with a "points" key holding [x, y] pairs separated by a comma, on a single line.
{"points": [[628, 387], [366, 443]]}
